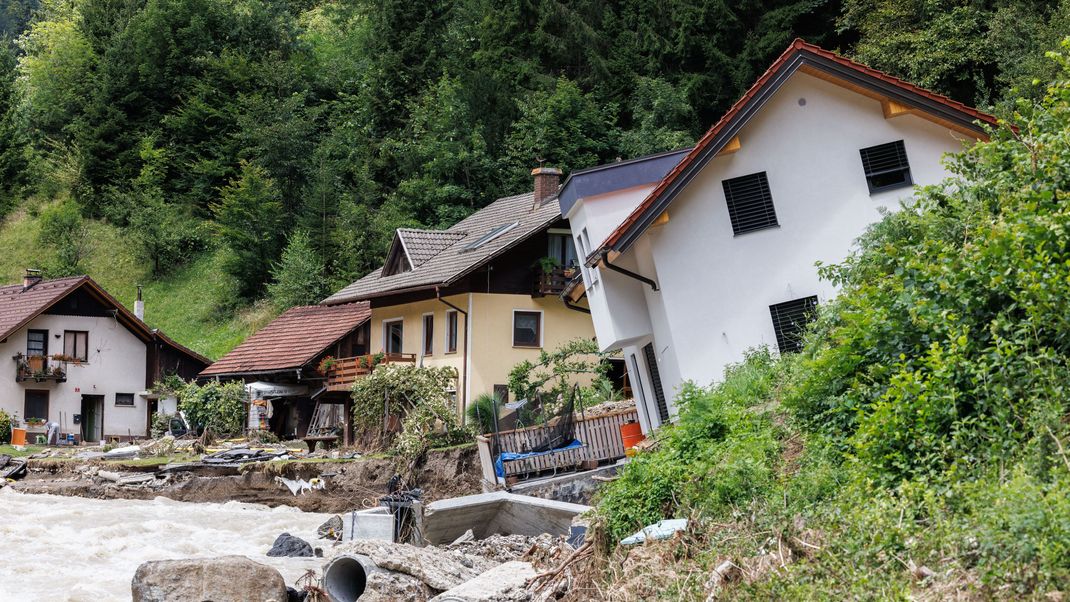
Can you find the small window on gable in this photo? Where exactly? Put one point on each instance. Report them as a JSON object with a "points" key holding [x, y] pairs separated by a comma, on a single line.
{"points": [[789, 321], [124, 399], [489, 236], [397, 262], [886, 166], [750, 204], [76, 344]]}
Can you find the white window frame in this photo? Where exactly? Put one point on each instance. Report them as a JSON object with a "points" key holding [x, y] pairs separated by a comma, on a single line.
{"points": [[386, 335], [446, 332], [424, 334], [542, 328]]}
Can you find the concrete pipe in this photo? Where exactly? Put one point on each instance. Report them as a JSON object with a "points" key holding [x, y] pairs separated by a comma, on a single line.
{"points": [[346, 576]]}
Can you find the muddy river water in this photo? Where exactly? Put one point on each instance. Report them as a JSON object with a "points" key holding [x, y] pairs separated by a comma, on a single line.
{"points": [[58, 548]]}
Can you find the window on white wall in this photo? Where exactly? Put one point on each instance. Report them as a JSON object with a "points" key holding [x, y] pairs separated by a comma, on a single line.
{"points": [[124, 399], [750, 203], [789, 321], [76, 344], [886, 166]]}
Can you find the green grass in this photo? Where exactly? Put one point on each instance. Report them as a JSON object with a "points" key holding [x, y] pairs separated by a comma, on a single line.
{"points": [[8, 450], [194, 304]]}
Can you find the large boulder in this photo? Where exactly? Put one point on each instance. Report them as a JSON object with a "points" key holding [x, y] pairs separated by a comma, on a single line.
{"points": [[224, 579], [288, 545]]}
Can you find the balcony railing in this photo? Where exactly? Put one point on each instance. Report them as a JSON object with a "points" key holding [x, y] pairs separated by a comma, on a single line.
{"points": [[552, 282], [345, 371], [39, 368]]}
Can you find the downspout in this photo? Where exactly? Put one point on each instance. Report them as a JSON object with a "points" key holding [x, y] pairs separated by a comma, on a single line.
{"points": [[464, 352], [568, 304], [628, 273]]}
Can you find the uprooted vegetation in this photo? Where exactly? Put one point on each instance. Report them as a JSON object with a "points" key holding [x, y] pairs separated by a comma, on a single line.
{"points": [[917, 447]]}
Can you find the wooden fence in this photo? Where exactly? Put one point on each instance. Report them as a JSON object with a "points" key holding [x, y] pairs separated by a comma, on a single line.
{"points": [[600, 436]]}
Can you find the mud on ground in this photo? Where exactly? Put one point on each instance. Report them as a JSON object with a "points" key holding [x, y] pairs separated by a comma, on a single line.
{"points": [[349, 484]]}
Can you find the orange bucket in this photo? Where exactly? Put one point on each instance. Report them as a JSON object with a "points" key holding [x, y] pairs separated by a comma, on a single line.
{"points": [[18, 436], [631, 434]]}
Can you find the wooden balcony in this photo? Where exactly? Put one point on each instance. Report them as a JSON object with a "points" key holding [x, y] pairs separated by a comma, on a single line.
{"points": [[345, 371], [39, 368], [552, 282]]}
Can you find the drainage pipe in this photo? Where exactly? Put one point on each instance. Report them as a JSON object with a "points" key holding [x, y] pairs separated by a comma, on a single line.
{"points": [[616, 268], [464, 353], [346, 577]]}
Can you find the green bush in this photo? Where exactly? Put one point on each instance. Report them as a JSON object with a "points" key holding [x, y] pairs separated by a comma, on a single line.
{"points": [[418, 394], [481, 412], [218, 407], [721, 453], [5, 427]]}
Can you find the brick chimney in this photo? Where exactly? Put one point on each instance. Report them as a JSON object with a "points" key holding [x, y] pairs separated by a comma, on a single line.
{"points": [[139, 306], [31, 278], [547, 181]]}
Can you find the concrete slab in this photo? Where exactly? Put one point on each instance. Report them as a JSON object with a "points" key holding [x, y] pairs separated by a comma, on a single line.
{"points": [[490, 585], [374, 523], [497, 512]]}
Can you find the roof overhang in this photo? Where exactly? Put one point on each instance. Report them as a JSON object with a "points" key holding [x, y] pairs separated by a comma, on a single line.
{"points": [[616, 176], [813, 61]]}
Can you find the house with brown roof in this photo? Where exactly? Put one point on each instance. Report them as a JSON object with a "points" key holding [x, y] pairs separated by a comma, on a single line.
{"points": [[82, 360], [480, 296], [284, 363], [695, 256]]}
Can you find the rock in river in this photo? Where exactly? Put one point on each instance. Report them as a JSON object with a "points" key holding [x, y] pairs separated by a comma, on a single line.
{"points": [[224, 579], [288, 545]]}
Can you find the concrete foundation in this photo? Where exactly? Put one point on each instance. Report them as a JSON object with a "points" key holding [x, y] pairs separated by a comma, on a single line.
{"points": [[575, 488], [499, 512], [490, 585]]}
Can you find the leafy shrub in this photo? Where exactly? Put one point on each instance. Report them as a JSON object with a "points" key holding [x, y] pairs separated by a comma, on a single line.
{"points": [[161, 423], [219, 407], [420, 395], [5, 427], [481, 412], [721, 453], [556, 371]]}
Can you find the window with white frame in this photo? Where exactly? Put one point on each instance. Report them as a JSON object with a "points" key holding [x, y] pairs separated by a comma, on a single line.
{"points": [[451, 331], [393, 335], [429, 334], [527, 328]]}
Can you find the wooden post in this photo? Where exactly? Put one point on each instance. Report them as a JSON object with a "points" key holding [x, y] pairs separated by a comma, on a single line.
{"points": [[347, 422]]}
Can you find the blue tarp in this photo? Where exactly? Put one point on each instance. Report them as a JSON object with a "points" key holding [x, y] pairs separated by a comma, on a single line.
{"points": [[499, 467]]}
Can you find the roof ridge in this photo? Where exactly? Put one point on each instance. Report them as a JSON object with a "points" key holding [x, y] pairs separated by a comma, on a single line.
{"points": [[796, 47]]}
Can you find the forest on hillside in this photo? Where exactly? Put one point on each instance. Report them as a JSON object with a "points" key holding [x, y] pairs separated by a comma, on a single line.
{"points": [[291, 137]]}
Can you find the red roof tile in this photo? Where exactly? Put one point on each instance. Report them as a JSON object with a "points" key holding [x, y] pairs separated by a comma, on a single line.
{"points": [[796, 47], [291, 340], [18, 305]]}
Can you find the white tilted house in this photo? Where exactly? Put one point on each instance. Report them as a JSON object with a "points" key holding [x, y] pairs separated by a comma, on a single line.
{"points": [[694, 257]]}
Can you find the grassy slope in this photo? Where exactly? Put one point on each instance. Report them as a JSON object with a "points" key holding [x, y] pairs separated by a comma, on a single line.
{"points": [[191, 305]]}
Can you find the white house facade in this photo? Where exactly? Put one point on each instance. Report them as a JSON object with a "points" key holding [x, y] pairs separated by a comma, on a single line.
{"points": [[717, 253], [81, 360]]}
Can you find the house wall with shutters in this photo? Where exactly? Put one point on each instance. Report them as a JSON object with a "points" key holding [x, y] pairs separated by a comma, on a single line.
{"points": [[116, 363], [717, 286]]}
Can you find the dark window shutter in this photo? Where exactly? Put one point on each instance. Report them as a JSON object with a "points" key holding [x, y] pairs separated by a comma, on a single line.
{"points": [[790, 319], [750, 204], [886, 166], [655, 382]]}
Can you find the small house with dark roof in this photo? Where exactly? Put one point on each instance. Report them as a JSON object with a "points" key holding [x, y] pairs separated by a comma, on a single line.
{"points": [[285, 363], [82, 360], [695, 256], [480, 296]]}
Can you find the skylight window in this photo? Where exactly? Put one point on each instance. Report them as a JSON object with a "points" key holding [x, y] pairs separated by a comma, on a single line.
{"points": [[489, 236]]}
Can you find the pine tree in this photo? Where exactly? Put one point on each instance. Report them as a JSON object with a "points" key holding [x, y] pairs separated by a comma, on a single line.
{"points": [[249, 220], [299, 275]]}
